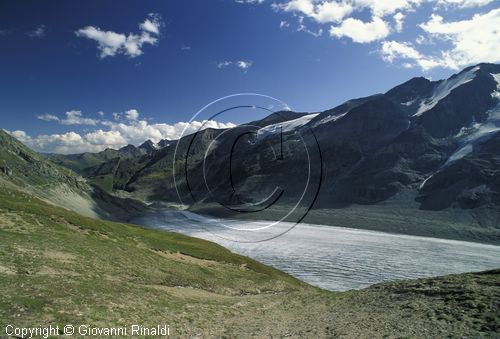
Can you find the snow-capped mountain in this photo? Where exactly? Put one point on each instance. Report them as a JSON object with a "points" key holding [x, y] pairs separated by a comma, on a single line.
{"points": [[429, 145]]}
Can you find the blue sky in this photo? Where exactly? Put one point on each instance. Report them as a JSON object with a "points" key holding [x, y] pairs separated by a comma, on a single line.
{"points": [[70, 71]]}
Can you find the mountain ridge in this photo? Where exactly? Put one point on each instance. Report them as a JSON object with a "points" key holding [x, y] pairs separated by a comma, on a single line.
{"points": [[431, 144]]}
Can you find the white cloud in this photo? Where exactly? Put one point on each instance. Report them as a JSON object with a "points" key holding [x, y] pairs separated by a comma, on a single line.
{"points": [[320, 11], [38, 32], [242, 64], [19, 135], [332, 11], [399, 20], [361, 32], [420, 40], [303, 28], [250, 1], [465, 3], [47, 117], [70, 142], [284, 24], [386, 7], [472, 41], [105, 139], [72, 118], [132, 114], [327, 11], [223, 64], [304, 6], [76, 118], [111, 43], [392, 50], [444, 43], [115, 135], [152, 24]]}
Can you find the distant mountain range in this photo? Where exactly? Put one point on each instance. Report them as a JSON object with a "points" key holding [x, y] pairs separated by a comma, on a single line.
{"points": [[23, 170], [422, 158]]}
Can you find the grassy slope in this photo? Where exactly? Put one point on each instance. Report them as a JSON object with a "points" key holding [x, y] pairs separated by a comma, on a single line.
{"points": [[59, 267], [34, 174]]}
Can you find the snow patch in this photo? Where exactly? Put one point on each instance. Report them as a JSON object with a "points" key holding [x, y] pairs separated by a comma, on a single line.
{"points": [[462, 152], [425, 180], [496, 94], [445, 88], [477, 132], [408, 103], [289, 125], [330, 118]]}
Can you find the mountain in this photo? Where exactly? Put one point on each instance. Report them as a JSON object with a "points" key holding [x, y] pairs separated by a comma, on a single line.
{"points": [[422, 158], [26, 171], [148, 147]]}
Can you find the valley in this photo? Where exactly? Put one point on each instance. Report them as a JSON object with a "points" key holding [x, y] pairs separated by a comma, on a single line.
{"points": [[418, 160], [58, 267]]}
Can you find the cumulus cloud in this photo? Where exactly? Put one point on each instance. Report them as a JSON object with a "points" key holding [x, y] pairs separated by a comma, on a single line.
{"points": [[320, 11], [328, 11], [392, 50], [361, 32], [455, 43], [113, 134], [471, 41], [38, 32], [343, 20], [111, 43], [339, 14], [132, 114], [54, 143]]}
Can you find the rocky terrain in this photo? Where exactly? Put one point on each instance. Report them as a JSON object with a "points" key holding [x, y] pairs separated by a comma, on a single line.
{"points": [[422, 158]]}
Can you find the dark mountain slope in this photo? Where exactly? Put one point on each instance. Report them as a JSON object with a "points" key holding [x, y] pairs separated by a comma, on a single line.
{"points": [[425, 149]]}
